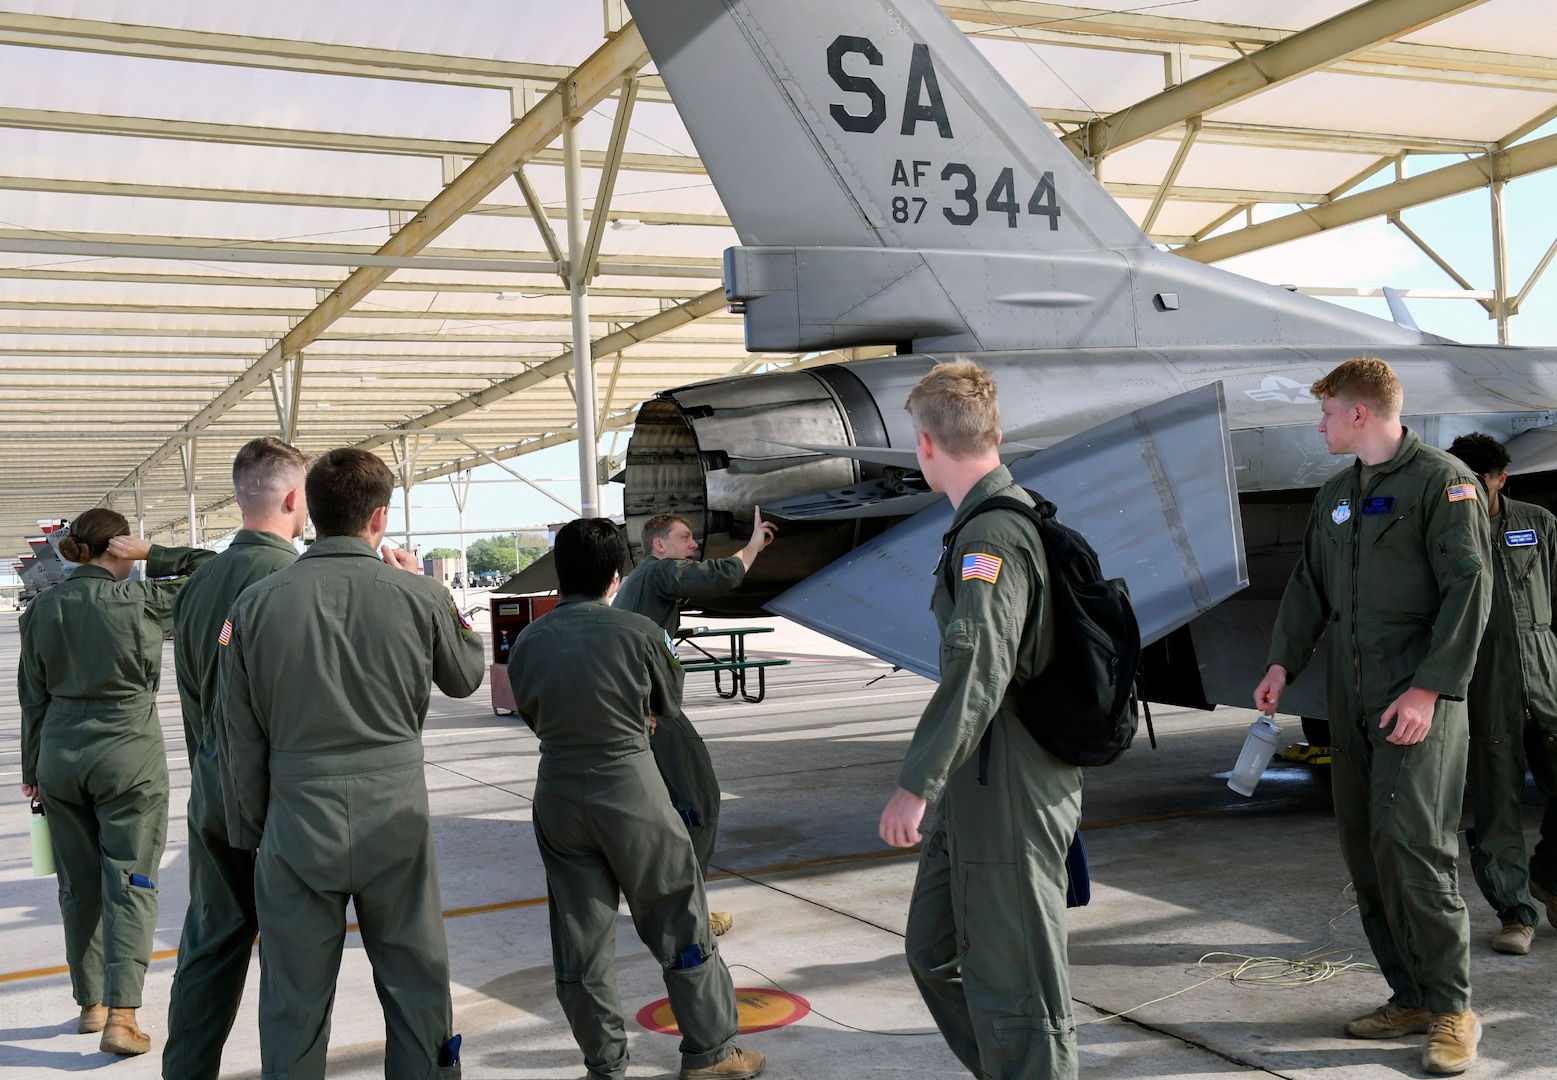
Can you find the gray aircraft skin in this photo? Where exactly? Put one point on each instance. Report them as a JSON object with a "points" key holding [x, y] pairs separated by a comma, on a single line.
{"points": [[888, 187]]}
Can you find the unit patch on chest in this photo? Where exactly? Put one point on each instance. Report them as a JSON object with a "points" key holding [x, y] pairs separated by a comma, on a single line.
{"points": [[1520, 538], [1342, 512]]}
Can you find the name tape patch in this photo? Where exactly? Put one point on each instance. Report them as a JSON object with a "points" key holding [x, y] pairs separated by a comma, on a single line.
{"points": [[1461, 492], [981, 567], [1378, 504], [226, 635], [1520, 538]]}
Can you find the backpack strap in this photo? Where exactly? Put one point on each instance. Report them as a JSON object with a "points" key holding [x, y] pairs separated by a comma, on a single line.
{"points": [[1036, 515]]}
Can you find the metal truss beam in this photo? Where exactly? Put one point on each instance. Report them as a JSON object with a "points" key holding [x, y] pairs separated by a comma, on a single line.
{"points": [[1426, 187], [639, 332], [528, 290], [278, 54], [1344, 35], [279, 253], [302, 139], [1140, 30], [592, 81], [183, 193], [243, 311]]}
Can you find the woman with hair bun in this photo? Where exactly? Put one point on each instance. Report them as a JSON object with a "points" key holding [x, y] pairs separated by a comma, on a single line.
{"points": [[92, 752]]}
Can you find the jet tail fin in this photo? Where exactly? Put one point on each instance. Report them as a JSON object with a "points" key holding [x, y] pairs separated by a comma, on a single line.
{"points": [[1146, 491], [881, 119]]}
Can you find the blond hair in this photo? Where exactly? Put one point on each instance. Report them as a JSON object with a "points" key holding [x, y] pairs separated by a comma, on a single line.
{"points": [[955, 405], [659, 527], [1366, 380]]}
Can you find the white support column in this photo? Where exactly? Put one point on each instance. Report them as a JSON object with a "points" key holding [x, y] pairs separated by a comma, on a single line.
{"points": [[140, 512], [405, 488], [578, 289], [187, 453], [1499, 255], [459, 483]]}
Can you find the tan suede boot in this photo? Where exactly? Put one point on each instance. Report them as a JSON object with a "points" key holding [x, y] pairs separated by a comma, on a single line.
{"points": [[122, 1035], [740, 1065], [720, 922], [1451, 1045], [1390, 1021], [93, 1017]]}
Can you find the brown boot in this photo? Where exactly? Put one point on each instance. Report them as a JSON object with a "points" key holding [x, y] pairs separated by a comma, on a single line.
{"points": [[122, 1035], [1390, 1021], [93, 1017], [1451, 1045], [720, 922], [740, 1065]]}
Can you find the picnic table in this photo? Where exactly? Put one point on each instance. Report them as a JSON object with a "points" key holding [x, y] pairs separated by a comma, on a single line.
{"points": [[732, 662]]}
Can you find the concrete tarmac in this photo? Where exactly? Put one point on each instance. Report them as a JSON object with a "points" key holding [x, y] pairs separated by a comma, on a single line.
{"points": [[1189, 880]]}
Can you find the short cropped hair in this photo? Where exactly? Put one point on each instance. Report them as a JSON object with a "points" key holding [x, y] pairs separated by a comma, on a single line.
{"points": [[89, 534], [1365, 380], [1484, 454], [264, 470], [588, 553], [955, 405], [344, 487], [659, 527]]}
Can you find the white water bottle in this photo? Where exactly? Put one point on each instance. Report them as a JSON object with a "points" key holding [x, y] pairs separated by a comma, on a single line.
{"points": [[42, 843], [1264, 739]]}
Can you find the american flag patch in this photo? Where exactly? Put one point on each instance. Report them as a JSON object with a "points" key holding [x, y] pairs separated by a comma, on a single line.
{"points": [[1461, 492], [982, 567], [226, 635], [459, 616]]}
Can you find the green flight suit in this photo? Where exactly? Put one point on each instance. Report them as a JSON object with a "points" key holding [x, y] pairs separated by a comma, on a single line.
{"points": [[324, 689], [90, 668], [220, 924], [1400, 573], [986, 937], [606, 828], [1513, 714], [657, 590]]}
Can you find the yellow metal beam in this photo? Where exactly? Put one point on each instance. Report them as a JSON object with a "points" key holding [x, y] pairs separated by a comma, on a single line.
{"points": [[1367, 25], [1427, 187]]}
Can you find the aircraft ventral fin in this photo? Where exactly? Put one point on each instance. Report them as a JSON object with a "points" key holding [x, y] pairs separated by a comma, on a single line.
{"points": [[1153, 492]]}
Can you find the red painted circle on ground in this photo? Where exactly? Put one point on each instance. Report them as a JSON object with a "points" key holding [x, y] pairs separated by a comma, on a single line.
{"points": [[756, 1010]]}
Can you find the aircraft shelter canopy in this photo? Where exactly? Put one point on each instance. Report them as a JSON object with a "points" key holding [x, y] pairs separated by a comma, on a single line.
{"points": [[347, 223]]}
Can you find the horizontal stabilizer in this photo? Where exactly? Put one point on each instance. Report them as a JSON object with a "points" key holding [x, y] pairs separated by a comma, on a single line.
{"points": [[539, 577], [1152, 491]]}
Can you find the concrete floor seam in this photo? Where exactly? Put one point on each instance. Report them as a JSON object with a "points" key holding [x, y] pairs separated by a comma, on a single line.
{"points": [[1231, 1059]]}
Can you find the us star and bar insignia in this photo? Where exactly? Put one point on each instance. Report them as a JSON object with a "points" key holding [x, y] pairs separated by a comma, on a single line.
{"points": [[226, 635], [981, 567], [1461, 492]]}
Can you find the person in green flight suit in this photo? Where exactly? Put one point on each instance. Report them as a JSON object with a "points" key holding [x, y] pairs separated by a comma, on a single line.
{"points": [[986, 937], [1396, 563], [668, 577], [603, 818], [220, 924], [92, 750], [325, 675], [1513, 706]]}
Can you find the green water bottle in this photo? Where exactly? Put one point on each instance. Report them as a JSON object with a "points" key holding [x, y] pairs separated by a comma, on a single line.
{"points": [[42, 843]]}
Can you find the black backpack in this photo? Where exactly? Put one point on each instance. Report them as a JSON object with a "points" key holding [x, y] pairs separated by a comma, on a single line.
{"points": [[1082, 707]]}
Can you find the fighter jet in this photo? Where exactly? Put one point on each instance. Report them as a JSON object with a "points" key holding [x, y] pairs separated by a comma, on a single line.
{"points": [[890, 188]]}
